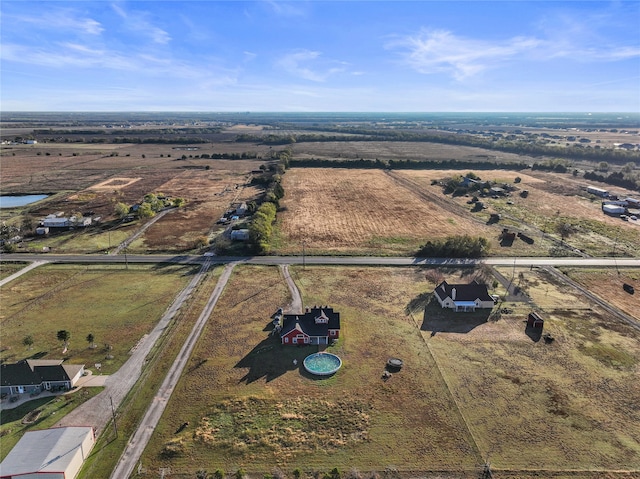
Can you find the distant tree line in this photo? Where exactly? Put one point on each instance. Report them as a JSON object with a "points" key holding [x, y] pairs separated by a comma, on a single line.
{"points": [[616, 179], [493, 142], [261, 226], [405, 164]]}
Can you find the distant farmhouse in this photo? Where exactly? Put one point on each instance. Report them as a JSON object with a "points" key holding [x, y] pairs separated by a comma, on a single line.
{"points": [[463, 297], [37, 375], [318, 325]]}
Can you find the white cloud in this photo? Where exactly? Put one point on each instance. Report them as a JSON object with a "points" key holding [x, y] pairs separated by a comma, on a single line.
{"points": [[58, 20], [285, 9], [297, 64], [137, 22], [440, 51]]}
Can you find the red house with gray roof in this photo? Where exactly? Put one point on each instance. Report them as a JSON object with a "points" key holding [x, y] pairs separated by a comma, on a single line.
{"points": [[318, 325]]}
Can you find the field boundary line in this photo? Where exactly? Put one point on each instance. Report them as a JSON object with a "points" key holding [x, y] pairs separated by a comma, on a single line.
{"points": [[448, 387]]}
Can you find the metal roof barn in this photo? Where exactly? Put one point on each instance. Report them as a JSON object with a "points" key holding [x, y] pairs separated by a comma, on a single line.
{"points": [[56, 453]]}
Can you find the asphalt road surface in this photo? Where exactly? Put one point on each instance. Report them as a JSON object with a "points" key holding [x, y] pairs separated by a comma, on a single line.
{"points": [[328, 260]]}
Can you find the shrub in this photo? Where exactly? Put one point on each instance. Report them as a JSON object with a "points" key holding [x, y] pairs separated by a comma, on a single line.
{"points": [[455, 247]]}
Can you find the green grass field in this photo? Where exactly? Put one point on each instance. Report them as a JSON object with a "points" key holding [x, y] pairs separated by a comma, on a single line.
{"points": [[117, 305]]}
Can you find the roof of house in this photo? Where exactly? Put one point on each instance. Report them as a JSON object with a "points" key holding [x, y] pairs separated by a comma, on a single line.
{"points": [[464, 292], [306, 323], [34, 371], [43, 451]]}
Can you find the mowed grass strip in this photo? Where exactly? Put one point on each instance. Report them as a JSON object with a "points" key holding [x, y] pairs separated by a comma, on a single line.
{"points": [[249, 406], [117, 305], [571, 404]]}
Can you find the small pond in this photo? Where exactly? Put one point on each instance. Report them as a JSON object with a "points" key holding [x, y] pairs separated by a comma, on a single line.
{"points": [[14, 201], [322, 364]]}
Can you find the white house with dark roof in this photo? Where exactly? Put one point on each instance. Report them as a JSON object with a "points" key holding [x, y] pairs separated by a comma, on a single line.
{"points": [[463, 297]]}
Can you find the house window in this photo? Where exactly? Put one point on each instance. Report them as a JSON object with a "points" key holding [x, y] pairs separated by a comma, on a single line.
{"points": [[332, 332], [294, 340], [286, 340]]}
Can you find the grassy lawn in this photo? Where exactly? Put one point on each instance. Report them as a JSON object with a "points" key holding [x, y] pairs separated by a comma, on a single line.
{"points": [[492, 391], [248, 406], [90, 240], [109, 447], [571, 404], [40, 413], [118, 306], [7, 269]]}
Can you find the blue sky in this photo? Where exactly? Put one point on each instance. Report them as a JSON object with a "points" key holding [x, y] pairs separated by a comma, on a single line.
{"points": [[414, 56]]}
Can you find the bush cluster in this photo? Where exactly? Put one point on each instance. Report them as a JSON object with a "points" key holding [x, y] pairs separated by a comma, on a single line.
{"points": [[464, 246]]}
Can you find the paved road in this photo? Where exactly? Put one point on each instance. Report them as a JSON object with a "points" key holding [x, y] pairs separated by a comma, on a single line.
{"points": [[97, 410], [328, 260], [141, 436]]}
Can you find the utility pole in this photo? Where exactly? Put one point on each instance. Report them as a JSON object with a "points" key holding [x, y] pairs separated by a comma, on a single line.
{"points": [[304, 266], [113, 413]]}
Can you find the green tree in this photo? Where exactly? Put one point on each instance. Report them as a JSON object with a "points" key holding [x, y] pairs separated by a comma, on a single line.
{"points": [[565, 230], [146, 211], [27, 341], [27, 223], [91, 340], [219, 474], [64, 336], [121, 210]]}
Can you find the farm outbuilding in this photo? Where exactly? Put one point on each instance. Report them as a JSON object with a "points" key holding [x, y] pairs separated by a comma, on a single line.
{"points": [[613, 209], [56, 453], [597, 191], [535, 321], [240, 235]]}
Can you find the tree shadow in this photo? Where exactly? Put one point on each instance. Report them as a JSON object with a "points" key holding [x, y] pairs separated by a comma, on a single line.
{"points": [[271, 359], [443, 320], [418, 303]]}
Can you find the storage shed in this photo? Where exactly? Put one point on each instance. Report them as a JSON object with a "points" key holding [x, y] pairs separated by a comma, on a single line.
{"points": [[535, 321], [613, 209], [56, 453]]}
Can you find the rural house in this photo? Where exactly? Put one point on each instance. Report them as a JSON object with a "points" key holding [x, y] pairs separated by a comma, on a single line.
{"points": [[463, 297], [37, 375], [318, 325]]}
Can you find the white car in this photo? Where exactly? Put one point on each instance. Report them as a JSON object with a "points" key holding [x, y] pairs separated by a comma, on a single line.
{"points": [[209, 253]]}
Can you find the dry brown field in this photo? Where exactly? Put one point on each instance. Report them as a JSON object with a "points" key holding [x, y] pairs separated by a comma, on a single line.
{"points": [[93, 180], [398, 150], [552, 198], [607, 284], [471, 389], [369, 212]]}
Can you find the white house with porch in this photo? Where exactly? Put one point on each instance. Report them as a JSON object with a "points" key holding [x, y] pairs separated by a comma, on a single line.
{"points": [[463, 297]]}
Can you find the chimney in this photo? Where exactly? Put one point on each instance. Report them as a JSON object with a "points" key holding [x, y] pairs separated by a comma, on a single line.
{"points": [[453, 294]]}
